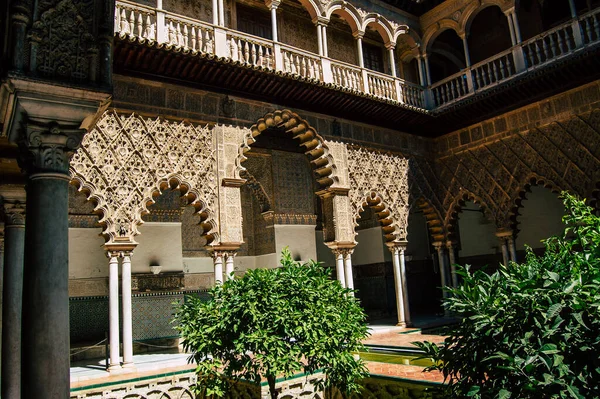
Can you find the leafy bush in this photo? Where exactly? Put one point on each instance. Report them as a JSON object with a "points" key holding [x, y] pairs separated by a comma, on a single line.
{"points": [[272, 323], [530, 330]]}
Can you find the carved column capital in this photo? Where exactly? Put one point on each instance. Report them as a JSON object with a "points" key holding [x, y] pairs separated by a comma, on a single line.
{"points": [[47, 147], [14, 213], [397, 246]]}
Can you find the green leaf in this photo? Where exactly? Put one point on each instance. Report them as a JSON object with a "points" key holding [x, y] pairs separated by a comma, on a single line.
{"points": [[504, 394], [474, 390]]}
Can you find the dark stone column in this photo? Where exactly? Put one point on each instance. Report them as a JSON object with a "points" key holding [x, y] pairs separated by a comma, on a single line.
{"points": [[14, 243], [45, 152]]}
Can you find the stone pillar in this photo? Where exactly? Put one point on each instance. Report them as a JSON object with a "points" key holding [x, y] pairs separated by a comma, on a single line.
{"points": [[218, 262], [504, 247], [348, 268], [221, 7], [273, 4], [452, 257], [391, 46], [405, 300], [215, 12], [20, 20], [516, 27], [127, 316], [573, 9], [427, 71], [442, 265], [339, 263], [511, 27], [512, 247], [113, 311], [466, 49], [324, 34], [229, 268], [358, 36], [45, 152], [400, 307], [12, 301], [320, 39], [421, 71]]}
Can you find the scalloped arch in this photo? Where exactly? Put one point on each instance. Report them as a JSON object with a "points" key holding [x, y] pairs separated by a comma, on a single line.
{"points": [[323, 165], [126, 160], [435, 224], [532, 180], [374, 201], [455, 208]]}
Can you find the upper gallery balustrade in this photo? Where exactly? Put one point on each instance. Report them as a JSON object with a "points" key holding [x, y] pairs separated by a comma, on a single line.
{"points": [[156, 24]]}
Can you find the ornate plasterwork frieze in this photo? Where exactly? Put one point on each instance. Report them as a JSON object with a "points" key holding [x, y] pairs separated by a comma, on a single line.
{"points": [[381, 181], [127, 159]]}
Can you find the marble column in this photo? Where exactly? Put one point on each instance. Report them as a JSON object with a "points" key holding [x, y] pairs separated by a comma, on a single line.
{"points": [[45, 152], [512, 247], [451, 247], [511, 27], [215, 12], [339, 262], [573, 8], [398, 285], [127, 315], [273, 6], [218, 263], [348, 268], [442, 265], [504, 247], [391, 47], [466, 50], [421, 71], [358, 36], [20, 20], [320, 38], [516, 27], [229, 267], [113, 311], [221, 6], [12, 301], [324, 34], [427, 71]]}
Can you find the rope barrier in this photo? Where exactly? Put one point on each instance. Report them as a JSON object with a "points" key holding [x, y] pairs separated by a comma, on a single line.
{"points": [[157, 346], [88, 348]]}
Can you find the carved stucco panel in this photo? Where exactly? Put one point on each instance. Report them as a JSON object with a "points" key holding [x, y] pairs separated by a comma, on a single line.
{"points": [[343, 220], [339, 153], [384, 176], [126, 159]]}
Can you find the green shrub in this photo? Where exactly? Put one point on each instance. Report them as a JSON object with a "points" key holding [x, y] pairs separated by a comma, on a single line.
{"points": [[530, 330], [272, 323]]}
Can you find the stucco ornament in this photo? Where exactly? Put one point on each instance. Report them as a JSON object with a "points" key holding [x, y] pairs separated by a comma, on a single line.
{"points": [[381, 181], [127, 159]]}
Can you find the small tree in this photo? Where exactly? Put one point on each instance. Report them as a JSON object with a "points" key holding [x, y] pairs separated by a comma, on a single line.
{"points": [[275, 322], [530, 330]]}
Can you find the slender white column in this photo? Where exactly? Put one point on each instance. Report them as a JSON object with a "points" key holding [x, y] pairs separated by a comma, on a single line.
{"points": [[421, 68], [339, 257], [348, 269], [442, 265], [215, 12], [516, 27], [452, 258], [320, 38], [361, 61], [127, 318], [466, 48], [405, 302], [512, 248], [392, 60], [399, 286], [218, 262], [324, 34], [229, 266], [274, 20], [221, 13], [573, 9], [113, 307], [511, 28], [427, 72]]}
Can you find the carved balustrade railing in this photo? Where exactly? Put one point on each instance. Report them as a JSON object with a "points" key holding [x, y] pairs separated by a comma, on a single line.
{"points": [[249, 49], [381, 85], [301, 62], [156, 24]]}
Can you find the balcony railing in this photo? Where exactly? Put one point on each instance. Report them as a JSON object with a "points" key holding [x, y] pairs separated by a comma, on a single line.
{"points": [[154, 24]]}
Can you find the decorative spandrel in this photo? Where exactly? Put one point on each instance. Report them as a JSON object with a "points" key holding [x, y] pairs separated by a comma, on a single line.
{"points": [[380, 180], [127, 159]]}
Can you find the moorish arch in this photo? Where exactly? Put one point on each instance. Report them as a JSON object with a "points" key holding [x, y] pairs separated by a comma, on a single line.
{"points": [[452, 214], [435, 224], [126, 160]]}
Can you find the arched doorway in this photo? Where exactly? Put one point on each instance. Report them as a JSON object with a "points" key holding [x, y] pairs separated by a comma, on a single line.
{"points": [[484, 42], [446, 55]]}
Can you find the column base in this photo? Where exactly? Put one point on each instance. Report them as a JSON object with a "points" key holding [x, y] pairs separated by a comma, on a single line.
{"points": [[401, 324], [129, 367], [112, 368]]}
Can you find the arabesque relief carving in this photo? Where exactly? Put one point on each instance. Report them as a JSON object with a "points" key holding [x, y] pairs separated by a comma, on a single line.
{"points": [[127, 159]]}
